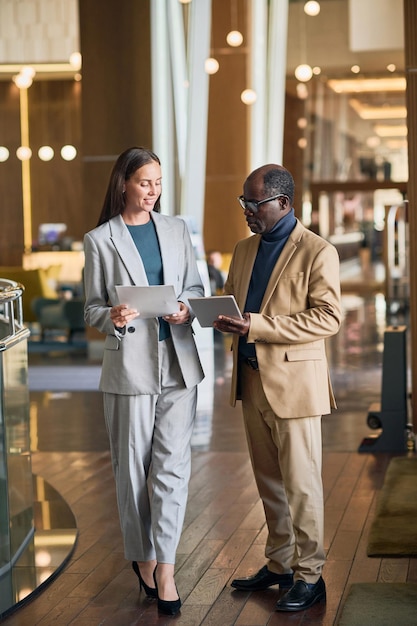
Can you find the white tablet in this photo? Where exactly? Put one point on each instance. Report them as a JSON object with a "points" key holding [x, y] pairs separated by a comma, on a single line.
{"points": [[208, 309], [152, 301]]}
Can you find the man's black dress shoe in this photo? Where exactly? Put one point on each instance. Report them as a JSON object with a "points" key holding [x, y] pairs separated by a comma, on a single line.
{"points": [[262, 580], [302, 596]]}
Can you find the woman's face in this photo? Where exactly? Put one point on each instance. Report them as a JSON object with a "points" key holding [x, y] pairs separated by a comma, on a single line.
{"points": [[143, 189]]}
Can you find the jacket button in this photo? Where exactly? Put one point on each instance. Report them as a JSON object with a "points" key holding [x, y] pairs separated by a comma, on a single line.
{"points": [[131, 329]]}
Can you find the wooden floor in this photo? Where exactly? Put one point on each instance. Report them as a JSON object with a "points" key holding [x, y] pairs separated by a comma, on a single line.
{"points": [[224, 531]]}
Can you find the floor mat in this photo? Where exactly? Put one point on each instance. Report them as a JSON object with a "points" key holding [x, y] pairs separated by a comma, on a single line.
{"points": [[380, 604], [394, 529]]}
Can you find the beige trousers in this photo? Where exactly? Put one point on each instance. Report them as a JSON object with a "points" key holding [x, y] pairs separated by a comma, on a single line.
{"points": [[286, 457]]}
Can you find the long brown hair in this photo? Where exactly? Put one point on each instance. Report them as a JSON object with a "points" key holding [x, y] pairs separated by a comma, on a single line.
{"points": [[126, 165]]}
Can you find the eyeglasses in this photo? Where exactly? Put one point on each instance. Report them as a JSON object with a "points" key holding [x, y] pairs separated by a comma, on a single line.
{"points": [[252, 205]]}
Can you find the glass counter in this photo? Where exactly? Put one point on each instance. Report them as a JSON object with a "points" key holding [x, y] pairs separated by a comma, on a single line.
{"points": [[37, 528]]}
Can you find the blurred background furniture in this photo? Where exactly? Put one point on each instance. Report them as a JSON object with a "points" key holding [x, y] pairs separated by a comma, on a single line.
{"points": [[39, 282], [59, 314]]}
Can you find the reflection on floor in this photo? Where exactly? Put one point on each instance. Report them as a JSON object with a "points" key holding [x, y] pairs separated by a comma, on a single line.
{"points": [[46, 551]]}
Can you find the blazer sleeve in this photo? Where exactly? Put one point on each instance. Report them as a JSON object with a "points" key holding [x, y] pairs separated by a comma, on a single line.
{"points": [[96, 309]]}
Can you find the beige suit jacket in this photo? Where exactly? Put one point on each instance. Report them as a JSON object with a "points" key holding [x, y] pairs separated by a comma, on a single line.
{"points": [[300, 309]]}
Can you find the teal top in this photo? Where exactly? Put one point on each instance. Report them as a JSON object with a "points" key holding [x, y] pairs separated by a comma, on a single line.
{"points": [[146, 241]]}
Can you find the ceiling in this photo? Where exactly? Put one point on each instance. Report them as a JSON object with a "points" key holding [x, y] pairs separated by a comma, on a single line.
{"points": [[348, 33]]}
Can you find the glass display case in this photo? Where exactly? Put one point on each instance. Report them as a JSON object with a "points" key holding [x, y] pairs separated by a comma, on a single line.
{"points": [[37, 528], [16, 491]]}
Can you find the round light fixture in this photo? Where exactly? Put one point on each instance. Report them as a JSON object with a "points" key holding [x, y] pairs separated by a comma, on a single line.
{"points": [[4, 154], [312, 8], [75, 60], [248, 96], [28, 70], [234, 38], [211, 66], [23, 153], [23, 81], [355, 69], [303, 72], [68, 153], [45, 153]]}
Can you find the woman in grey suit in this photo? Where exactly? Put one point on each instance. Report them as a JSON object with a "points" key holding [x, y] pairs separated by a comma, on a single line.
{"points": [[150, 367]]}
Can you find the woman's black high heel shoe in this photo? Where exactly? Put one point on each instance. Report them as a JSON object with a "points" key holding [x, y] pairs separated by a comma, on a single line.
{"points": [[151, 592], [168, 607]]}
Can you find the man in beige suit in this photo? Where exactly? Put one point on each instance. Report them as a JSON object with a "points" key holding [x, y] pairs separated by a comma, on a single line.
{"points": [[286, 280]]}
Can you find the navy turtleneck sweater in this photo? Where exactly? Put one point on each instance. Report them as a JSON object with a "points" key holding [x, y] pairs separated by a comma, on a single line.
{"points": [[270, 247]]}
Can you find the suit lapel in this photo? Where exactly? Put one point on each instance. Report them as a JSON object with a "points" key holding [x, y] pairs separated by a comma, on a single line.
{"points": [[250, 253], [283, 260], [127, 251], [130, 257], [169, 248]]}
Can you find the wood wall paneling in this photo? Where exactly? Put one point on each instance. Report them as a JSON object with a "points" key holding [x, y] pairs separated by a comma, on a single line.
{"points": [[54, 119], [227, 142], [116, 90], [293, 156], [11, 209]]}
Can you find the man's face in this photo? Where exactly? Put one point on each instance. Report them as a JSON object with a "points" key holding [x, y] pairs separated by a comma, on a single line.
{"points": [[267, 214]]}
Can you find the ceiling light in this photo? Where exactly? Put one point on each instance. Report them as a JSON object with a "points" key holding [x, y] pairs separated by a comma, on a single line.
{"points": [[23, 81], [23, 153], [355, 69], [367, 112], [248, 96], [385, 130], [234, 38], [391, 67], [39, 68], [75, 60], [45, 153], [367, 85], [211, 66], [316, 70], [396, 144], [4, 154], [303, 72], [312, 8], [68, 153], [28, 70]]}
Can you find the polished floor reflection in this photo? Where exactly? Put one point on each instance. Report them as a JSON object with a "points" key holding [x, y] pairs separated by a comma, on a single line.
{"points": [[224, 529], [46, 551]]}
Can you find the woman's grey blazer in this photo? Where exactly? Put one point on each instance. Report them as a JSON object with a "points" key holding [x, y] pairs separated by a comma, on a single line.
{"points": [[130, 361]]}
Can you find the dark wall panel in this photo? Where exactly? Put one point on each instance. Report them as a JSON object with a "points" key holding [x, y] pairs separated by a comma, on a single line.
{"points": [[55, 120], [116, 89], [11, 208]]}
